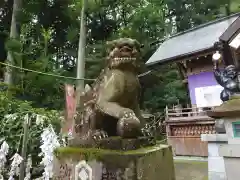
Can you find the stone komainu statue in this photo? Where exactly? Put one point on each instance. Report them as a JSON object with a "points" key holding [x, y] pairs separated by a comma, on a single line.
{"points": [[111, 105]]}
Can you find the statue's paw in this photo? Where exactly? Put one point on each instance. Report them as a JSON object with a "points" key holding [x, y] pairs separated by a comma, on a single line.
{"points": [[99, 134], [129, 116], [128, 125]]}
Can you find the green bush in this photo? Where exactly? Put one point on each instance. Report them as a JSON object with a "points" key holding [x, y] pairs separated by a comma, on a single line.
{"points": [[12, 113]]}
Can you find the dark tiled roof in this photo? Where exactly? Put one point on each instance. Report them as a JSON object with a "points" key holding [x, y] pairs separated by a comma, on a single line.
{"points": [[191, 41]]}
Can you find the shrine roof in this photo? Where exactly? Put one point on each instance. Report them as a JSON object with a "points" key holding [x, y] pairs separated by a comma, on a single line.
{"points": [[191, 42]]}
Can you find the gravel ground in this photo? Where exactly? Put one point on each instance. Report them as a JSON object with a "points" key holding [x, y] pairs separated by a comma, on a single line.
{"points": [[191, 170]]}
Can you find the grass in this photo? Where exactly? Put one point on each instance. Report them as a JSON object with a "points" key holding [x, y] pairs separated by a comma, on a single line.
{"points": [[191, 170]]}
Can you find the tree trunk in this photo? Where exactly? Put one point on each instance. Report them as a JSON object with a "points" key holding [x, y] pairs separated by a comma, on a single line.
{"points": [[14, 33]]}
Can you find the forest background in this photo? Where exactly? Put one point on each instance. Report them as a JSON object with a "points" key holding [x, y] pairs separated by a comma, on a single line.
{"points": [[47, 41]]}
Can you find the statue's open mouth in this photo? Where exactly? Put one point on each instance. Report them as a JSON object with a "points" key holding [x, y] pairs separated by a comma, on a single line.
{"points": [[125, 59], [117, 61]]}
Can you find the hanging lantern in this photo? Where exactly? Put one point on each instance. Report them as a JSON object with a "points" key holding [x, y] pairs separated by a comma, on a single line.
{"points": [[217, 57]]}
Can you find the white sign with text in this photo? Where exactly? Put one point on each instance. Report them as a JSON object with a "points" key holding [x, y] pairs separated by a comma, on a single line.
{"points": [[208, 96]]}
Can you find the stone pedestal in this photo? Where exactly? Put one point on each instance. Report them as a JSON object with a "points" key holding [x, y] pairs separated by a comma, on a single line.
{"points": [[150, 163], [216, 165], [226, 147]]}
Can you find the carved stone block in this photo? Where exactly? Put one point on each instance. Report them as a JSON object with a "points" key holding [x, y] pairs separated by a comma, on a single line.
{"points": [[152, 163]]}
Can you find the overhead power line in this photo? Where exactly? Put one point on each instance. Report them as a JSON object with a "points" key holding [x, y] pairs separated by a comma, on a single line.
{"points": [[46, 74], [59, 76]]}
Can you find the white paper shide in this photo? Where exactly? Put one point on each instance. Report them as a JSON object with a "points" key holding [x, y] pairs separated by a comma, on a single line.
{"points": [[50, 142]]}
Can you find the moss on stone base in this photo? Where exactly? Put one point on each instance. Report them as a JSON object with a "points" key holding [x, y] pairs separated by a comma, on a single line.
{"points": [[104, 154], [227, 108], [232, 104], [114, 143]]}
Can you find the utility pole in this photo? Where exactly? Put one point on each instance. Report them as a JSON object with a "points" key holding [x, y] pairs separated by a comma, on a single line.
{"points": [[80, 63], [81, 54]]}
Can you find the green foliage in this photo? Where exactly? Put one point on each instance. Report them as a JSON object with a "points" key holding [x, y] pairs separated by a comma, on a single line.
{"points": [[168, 91], [50, 33], [13, 113], [189, 13], [13, 45], [35, 56]]}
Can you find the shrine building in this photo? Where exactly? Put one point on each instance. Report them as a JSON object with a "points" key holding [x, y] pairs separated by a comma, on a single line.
{"points": [[192, 52]]}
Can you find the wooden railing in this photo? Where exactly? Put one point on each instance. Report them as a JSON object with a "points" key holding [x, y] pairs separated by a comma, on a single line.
{"points": [[186, 112]]}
